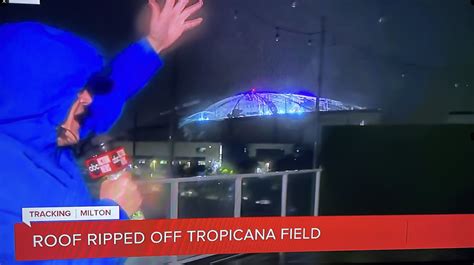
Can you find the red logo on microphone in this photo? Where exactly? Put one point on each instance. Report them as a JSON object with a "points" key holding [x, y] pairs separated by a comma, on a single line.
{"points": [[107, 163]]}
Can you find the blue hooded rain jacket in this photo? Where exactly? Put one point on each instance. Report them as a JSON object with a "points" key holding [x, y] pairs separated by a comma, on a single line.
{"points": [[42, 69]]}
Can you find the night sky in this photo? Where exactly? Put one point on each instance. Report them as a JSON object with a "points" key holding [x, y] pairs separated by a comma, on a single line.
{"points": [[412, 58]]}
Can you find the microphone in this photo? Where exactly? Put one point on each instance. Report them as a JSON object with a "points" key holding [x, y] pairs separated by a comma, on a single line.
{"points": [[109, 163]]}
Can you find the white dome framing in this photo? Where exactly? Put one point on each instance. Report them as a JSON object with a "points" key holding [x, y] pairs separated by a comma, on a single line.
{"points": [[255, 103]]}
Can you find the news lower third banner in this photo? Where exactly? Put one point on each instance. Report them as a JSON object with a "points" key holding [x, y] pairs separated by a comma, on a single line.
{"points": [[101, 239]]}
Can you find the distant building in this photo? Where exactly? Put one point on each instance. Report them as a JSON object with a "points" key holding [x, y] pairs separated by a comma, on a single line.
{"points": [[253, 128], [461, 117], [260, 103]]}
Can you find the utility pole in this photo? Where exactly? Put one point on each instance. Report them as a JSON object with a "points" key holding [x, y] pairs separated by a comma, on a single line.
{"points": [[317, 142], [173, 116]]}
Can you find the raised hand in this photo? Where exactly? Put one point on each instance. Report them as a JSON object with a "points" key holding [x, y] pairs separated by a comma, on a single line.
{"points": [[168, 24]]}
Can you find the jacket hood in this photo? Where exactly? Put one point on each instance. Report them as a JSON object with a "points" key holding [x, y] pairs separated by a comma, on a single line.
{"points": [[43, 69]]}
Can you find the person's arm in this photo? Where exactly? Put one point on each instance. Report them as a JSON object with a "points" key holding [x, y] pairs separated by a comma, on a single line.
{"points": [[128, 73], [134, 67]]}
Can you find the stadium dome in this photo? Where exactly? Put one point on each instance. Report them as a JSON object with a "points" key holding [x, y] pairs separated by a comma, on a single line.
{"points": [[256, 103]]}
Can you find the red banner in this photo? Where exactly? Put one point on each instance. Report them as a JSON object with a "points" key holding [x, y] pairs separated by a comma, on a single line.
{"points": [[72, 240]]}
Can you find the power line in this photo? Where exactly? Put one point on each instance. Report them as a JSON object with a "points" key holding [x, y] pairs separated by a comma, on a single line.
{"points": [[279, 28]]}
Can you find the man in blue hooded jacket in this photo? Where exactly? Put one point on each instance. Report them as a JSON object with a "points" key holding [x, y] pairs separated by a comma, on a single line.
{"points": [[47, 84]]}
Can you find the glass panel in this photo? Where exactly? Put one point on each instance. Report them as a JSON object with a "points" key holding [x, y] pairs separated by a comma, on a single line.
{"points": [[206, 199], [261, 196], [300, 195]]}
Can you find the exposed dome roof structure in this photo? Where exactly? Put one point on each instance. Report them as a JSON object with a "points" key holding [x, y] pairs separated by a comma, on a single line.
{"points": [[257, 103]]}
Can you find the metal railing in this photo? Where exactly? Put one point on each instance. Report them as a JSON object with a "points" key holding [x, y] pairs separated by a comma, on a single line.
{"points": [[174, 196], [174, 185]]}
